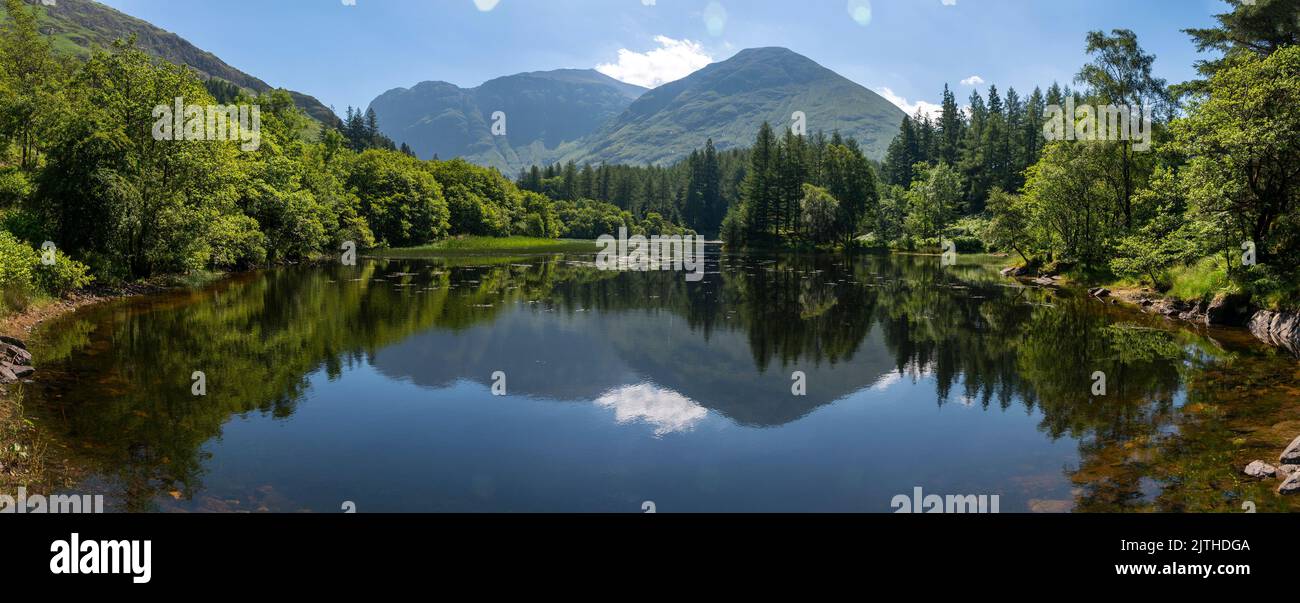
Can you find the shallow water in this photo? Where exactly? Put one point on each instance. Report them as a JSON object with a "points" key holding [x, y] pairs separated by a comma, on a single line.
{"points": [[374, 384]]}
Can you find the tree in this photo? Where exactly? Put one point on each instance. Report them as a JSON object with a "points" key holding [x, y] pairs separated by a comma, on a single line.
{"points": [[1121, 74], [850, 180], [933, 201], [904, 152], [818, 214], [1009, 227], [1244, 140], [1072, 204], [28, 72], [400, 199], [1258, 27], [760, 187]]}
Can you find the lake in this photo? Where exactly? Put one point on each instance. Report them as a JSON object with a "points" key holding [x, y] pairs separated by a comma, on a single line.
{"points": [[377, 385]]}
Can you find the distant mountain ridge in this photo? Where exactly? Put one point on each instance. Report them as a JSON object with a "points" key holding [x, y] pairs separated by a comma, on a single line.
{"points": [[729, 100], [79, 26], [726, 101], [542, 111]]}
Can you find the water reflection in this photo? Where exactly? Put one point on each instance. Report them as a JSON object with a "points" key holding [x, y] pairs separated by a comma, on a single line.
{"points": [[358, 356]]}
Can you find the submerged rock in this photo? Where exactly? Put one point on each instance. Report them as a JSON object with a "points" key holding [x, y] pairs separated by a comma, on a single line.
{"points": [[1261, 469]]}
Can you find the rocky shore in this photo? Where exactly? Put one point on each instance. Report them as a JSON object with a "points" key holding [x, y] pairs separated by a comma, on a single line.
{"points": [[1288, 469], [1281, 329], [15, 360]]}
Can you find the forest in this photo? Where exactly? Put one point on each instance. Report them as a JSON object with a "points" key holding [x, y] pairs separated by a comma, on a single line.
{"points": [[1209, 209], [82, 171]]}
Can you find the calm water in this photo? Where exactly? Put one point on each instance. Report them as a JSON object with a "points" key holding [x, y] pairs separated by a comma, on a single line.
{"points": [[373, 384]]}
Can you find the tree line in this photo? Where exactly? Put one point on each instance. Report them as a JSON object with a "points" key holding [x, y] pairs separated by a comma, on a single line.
{"points": [[80, 167]]}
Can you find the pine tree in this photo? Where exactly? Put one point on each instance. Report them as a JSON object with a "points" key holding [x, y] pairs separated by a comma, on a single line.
{"points": [[951, 128], [759, 186]]}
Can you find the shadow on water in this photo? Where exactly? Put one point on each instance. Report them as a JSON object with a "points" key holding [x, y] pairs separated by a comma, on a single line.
{"points": [[1184, 410]]}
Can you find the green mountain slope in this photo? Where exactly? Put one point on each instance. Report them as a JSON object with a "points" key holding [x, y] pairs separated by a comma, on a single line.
{"points": [[728, 101], [542, 111], [78, 26]]}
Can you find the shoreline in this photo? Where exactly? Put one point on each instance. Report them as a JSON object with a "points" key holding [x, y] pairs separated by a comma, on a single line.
{"points": [[29, 456]]}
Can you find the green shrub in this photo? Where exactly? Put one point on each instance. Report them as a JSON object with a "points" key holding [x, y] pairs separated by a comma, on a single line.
{"points": [[236, 242], [64, 276], [14, 187], [16, 263], [968, 244]]}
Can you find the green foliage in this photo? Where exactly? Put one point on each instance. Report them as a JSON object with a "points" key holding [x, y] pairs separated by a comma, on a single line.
{"points": [[400, 199], [64, 276], [933, 201], [1244, 139], [819, 213], [236, 243], [482, 201]]}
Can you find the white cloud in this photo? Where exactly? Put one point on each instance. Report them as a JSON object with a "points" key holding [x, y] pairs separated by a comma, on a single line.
{"points": [[486, 5], [973, 80], [673, 60], [931, 109], [647, 2], [665, 409], [949, 2]]}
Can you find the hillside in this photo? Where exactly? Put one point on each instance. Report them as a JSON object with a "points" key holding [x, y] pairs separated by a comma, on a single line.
{"points": [[78, 26], [729, 100], [543, 110]]}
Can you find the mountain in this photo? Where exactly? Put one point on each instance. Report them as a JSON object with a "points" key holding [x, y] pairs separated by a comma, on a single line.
{"points": [[729, 100], [542, 111], [79, 26], [584, 116]]}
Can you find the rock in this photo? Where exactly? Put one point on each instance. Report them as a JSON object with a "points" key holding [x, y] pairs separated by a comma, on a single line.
{"points": [[1228, 310], [1291, 485], [7, 375], [1099, 292], [1261, 469], [15, 354], [1291, 456], [1281, 329], [13, 341], [1288, 469], [22, 372]]}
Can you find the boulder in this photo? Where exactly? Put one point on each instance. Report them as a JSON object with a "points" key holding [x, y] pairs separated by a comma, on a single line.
{"points": [[1230, 310], [1291, 456], [1291, 485], [1286, 470], [13, 341], [15, 354], [1260, 469], [22, 372], [7, 375], [1277, 328]]}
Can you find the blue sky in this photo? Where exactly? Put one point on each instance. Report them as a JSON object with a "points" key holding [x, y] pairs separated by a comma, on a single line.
{"points": [[907, 49]]}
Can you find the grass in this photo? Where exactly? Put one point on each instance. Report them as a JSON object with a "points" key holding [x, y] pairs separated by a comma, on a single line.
{"points": [[1202, 280], [471, 245]]}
